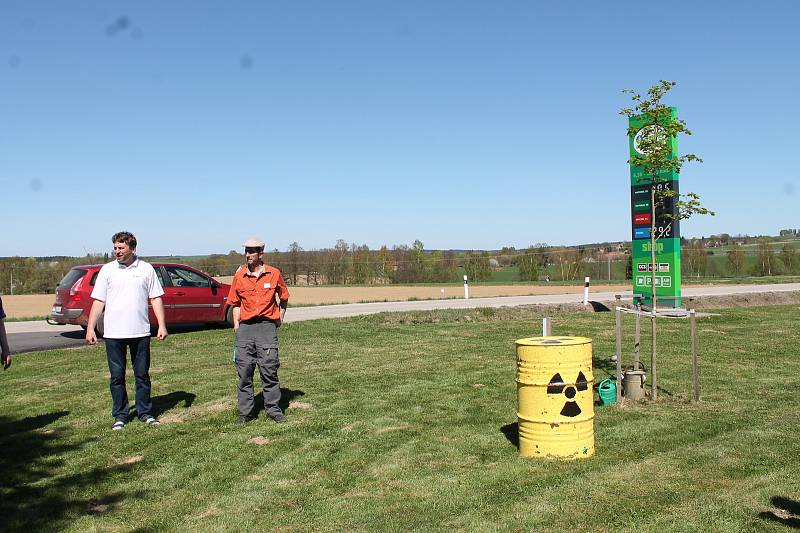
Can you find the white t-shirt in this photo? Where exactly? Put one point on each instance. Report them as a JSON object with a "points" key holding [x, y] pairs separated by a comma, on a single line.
{"points": [[126, 292]]}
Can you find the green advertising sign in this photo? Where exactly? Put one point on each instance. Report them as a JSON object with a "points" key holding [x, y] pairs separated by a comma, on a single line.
{"points": [[667, 230], [668, 271]]}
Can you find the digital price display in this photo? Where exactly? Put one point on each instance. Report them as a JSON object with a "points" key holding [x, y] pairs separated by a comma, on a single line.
{"points": [[666, 226]]}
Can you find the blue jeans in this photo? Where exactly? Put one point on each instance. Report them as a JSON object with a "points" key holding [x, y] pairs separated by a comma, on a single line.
{"points": [[140, 360]]}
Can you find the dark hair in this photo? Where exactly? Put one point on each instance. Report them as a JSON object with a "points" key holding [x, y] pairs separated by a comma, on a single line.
{"points": [[125, 236]]}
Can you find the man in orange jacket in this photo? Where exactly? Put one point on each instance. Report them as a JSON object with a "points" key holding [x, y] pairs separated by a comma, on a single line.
{"points": [[259, 298]]}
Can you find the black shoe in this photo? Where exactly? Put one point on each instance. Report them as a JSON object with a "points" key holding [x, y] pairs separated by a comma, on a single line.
{"points": [[280, 418], [244, 420]]}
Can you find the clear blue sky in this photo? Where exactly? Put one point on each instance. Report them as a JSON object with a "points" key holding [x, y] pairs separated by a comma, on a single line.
{"points": [[463, 124]]}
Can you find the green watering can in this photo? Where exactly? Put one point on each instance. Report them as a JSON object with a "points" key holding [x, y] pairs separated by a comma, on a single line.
{"points": [[607, 390]]}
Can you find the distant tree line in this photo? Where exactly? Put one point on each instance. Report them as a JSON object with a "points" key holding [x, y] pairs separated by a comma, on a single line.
{"points": [[759, 257], [352, 264], [38, 275]]}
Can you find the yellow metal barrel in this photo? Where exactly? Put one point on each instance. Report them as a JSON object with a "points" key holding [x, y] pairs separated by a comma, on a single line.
{"points": [[555, 397]]}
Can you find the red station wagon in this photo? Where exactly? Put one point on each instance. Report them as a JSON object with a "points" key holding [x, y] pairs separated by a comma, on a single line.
{"points": [[190, 297]]}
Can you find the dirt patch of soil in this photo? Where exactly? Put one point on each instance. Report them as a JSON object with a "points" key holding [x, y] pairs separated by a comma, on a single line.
{"points": [[172, 419], [215, 407], [131, 459], [743, 300], [28, 305], [259, 441]]}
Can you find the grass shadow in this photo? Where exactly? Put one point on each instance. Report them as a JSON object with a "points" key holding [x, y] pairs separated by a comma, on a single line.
{"points": [[35, 495], [511, 432], [10, 427], [165, 402], [599, 307], [605, 364], [787, 513], [287, 395]]}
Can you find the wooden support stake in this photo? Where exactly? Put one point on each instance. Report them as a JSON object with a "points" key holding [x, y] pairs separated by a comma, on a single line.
{"points": [[619, 355], [695, 369], [653, 374], [637, 339]]}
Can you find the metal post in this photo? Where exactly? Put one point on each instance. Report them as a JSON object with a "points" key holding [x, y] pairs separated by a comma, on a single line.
{"points": [[619, 355], [695, 369], [466, 288], [547, 329]]}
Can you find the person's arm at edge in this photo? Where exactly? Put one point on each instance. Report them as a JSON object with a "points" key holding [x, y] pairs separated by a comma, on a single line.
{"points": [[283, 295], [6, 351], [233, 300], [94, 313], [158, 310], [236, 311]]}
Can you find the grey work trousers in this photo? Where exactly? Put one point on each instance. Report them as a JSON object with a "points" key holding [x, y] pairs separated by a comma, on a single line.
{"points": [[257, 344]]}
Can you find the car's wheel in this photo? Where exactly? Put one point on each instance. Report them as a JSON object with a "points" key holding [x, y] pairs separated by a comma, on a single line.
{"points": [[99, 326], [229, 317]]}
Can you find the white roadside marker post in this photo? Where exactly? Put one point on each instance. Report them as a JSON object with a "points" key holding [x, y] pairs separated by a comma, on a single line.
{"points": [[466, 288], [586, 290]]}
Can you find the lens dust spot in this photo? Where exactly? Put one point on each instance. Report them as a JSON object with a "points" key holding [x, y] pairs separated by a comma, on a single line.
{"points": [[36, 185], [246, 62], [118, 26]]}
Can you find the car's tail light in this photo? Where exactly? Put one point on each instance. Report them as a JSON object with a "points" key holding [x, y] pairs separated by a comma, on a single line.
{"points": [[75, 287]]}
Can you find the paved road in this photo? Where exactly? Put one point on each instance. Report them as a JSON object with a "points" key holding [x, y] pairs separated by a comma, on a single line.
{"points": [[38, 335]]}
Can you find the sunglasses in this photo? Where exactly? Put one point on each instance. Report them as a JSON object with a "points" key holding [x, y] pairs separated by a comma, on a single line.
{"points": [[252, 250]]}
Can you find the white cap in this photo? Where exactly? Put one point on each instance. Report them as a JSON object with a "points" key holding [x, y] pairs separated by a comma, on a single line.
{"points": [[253, 242]]}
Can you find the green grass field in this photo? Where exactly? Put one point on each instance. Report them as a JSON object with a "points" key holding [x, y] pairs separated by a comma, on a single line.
{"points": [[404, 422]]}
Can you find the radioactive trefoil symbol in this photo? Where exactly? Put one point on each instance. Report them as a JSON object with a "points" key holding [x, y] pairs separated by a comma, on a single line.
{"points": [[557, 386]]}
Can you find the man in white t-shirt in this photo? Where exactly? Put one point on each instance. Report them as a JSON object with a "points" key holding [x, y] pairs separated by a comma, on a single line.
{"points": [[123, 288]]}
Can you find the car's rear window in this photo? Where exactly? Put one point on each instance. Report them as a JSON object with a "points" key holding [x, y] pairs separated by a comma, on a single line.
{"points": [[72, 276]]}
